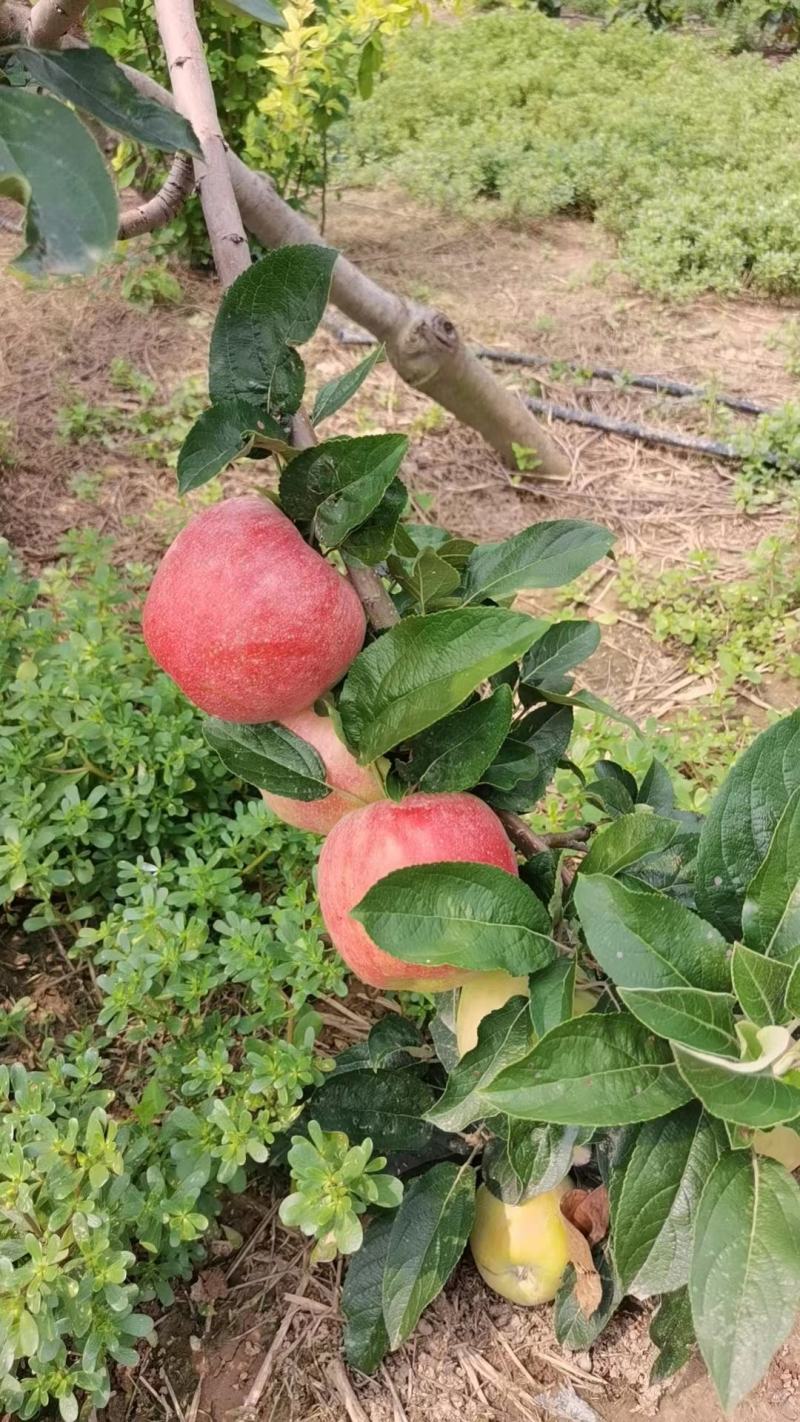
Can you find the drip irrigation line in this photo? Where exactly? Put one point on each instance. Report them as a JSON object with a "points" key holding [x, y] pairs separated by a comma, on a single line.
{"points": [[658, 384], [629, 430]]}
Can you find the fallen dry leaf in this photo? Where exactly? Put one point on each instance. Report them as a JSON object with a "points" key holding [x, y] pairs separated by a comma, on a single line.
{"points": [[588, 1285], [588, 1211]]}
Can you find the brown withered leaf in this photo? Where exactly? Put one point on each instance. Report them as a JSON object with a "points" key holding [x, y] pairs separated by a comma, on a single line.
{"points": [[588, 1211], [588, 1284], [209, 1286]]}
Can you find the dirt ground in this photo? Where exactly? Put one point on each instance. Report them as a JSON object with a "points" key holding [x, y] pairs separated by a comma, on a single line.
{"points": [[256, 1314]]}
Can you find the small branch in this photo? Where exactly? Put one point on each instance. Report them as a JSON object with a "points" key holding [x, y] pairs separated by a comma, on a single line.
{"points": [[160, 209], [528, 842], [194, 98], [50, 19]]}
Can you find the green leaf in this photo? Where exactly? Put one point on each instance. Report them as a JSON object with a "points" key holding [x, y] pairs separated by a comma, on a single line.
{"points": [[527, 762], [473, 916], [760, 1100], [453, 753], [570, 1324], [274, 306], [646, 940], [430, 578], [424, 668], [736, 835], [522, 1160], [337, 485], [336, 393], [654, 1193], [695, 1018], [269, 756], [546, 555], [563, 646], [365, 1337], [387, 1045], [372, 542], [771, 912], [428, 1237], [50, 164], [551, 995], [626, 841], [89, 79], [603, 1068], [587, 701], [760, 984], [387, 1105], [744, 1282], [504, 1037], [260, 10], [672, 1332], [220, 435], [793, 992]]}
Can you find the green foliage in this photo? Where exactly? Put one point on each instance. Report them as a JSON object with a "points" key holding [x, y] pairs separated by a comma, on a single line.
{"points": [[743, 628], [770, 452], [334, 1183], [121, 832], [145, 424], [669, 145]]}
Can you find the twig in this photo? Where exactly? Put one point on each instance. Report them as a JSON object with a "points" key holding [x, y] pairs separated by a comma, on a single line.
{"points": [[194, 98], [50, 20], [262, 1376], [342, 1384], [523, 838], [162, 207]]}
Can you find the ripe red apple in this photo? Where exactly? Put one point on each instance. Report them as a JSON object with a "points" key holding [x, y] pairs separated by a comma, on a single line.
{"points": [[355, 785], [368, 844], [250, 621]]}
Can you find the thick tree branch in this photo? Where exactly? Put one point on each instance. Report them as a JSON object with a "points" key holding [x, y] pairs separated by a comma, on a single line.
{"points": [[166, 203], [194, 98], [49, 21]]}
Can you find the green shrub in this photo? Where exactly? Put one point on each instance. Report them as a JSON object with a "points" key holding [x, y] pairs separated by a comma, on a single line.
{"points": [[678, 151], [121, 832]]}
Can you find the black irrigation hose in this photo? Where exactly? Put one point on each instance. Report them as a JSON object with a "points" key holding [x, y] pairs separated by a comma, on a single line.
{"points": [[629, 430], [660, 384]]}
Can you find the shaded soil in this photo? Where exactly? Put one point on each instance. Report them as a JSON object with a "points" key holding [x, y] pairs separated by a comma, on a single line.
{"points": [[256, 1308]]}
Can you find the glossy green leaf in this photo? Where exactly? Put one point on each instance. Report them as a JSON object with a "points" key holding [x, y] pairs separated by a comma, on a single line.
{"points": [[627, 840], [771, 911], [654, 1193], [522, 1160], [744, 1283], [336, 486], [365, 1338], [52, 165], [504, 1037], [545, 555], [89, 79], [672, 1332], [646, 940], [387, 1105], [570, 1324], [564, 646], [603, 1068], [424, 668], [744, 813], [760, 984], [551, 995], [587, 701], [761, 1100], [691, 1016], [269, 756], [387, 1045], [527, 761], [429, 1233], [430, 578], [336, 393], [516, 763], [273, 307], [473, 916], [222, 434], [453, 753], [374, 539], [793, 992]]}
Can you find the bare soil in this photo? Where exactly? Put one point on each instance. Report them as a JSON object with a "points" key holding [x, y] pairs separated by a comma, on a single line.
{"points": [[256, 1308]]}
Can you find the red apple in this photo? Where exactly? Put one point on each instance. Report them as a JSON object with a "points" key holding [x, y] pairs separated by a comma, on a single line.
{"points": [[368, 844], [249, 620], [355, 785]]}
